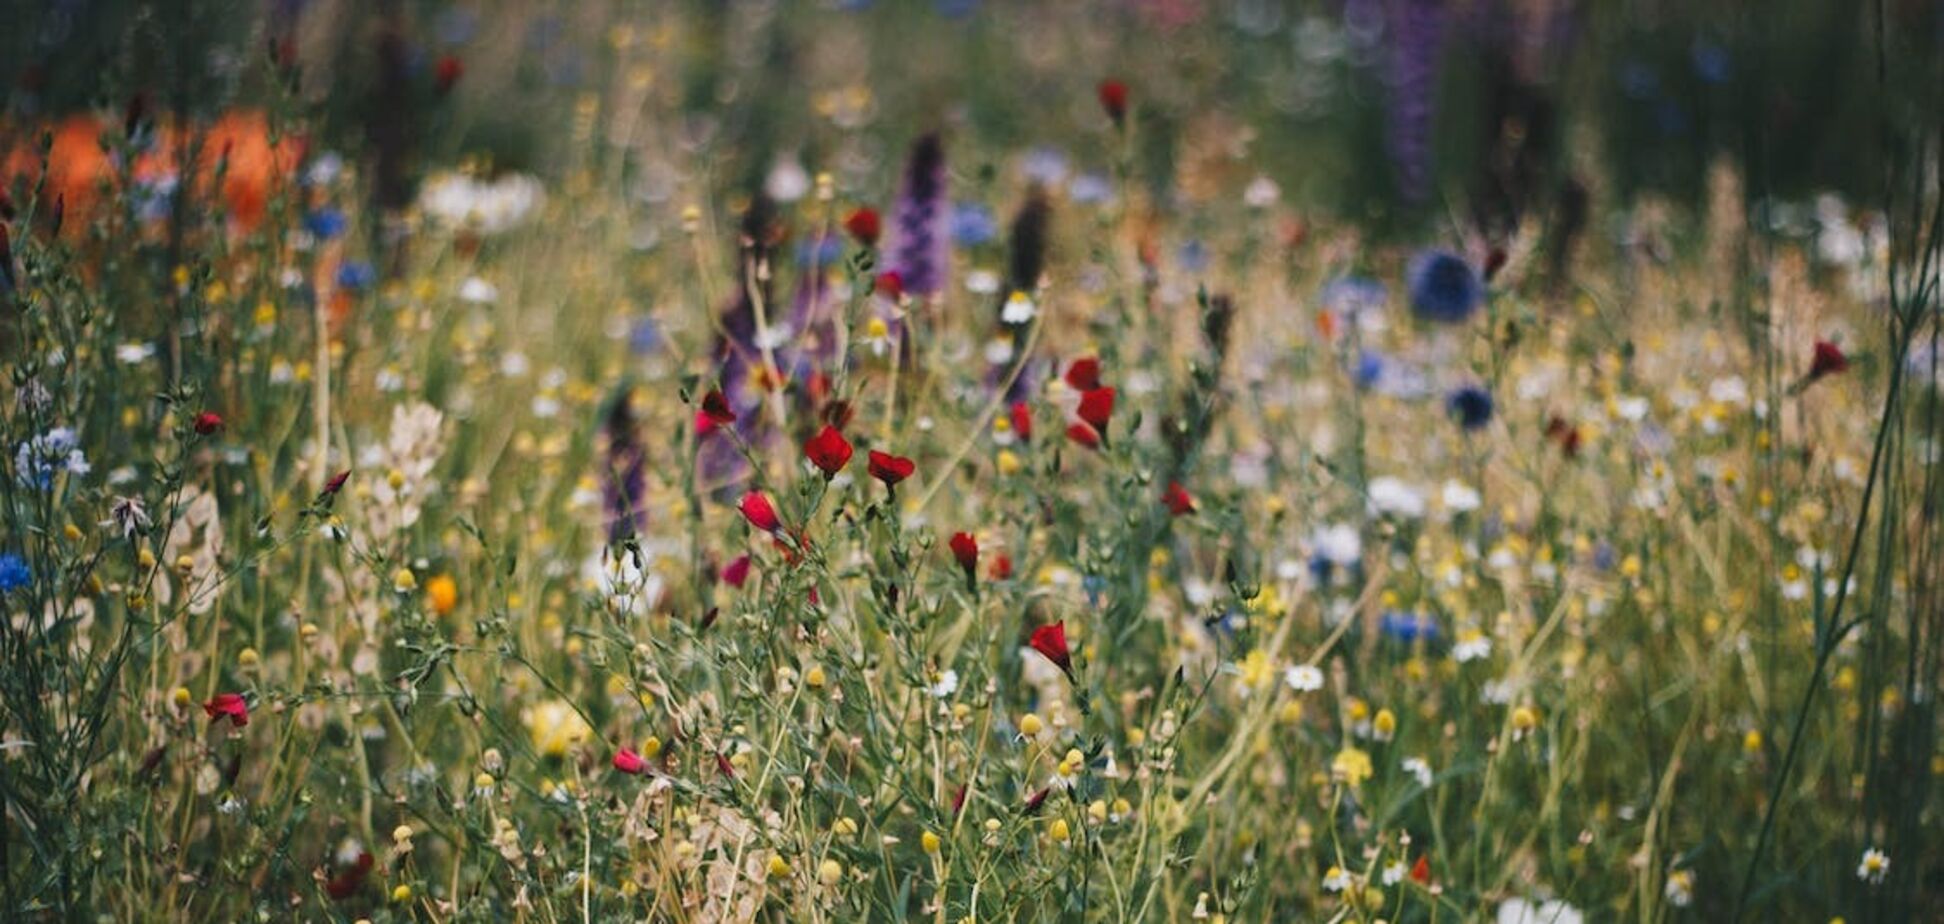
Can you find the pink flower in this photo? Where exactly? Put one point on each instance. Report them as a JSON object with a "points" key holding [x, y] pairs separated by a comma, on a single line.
{"points": [[627, 761], [228, 705]]}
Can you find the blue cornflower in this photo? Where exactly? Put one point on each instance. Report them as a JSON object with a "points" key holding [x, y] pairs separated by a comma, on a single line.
{"points": [[1370, 369], [325, 223], [827, 254], [1444, 287], [1470, 405], [13, 573], [356, 275], [1408, 627], [973, 224], [644, 337]]}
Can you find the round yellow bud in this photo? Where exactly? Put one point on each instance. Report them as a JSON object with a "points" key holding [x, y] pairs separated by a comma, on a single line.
{"points": [[929, 841], [1030, 725], [830, 872], [779, 868], [1059, 831]]}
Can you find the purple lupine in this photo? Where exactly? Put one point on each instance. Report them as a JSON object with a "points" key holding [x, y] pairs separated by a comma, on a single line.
{"points": [[920, 246], [624, 473], [1414, 33]]}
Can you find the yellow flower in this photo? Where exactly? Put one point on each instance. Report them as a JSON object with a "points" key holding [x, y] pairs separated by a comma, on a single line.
{"points": [[1030, 725], [830, 872], [554, 727], [1385, 724], [1524, 719], [779, 868], [929, 841], [402, 894], [442, 594], [1059, 831], [404, 581], [1351, 766], [1009, 464]]}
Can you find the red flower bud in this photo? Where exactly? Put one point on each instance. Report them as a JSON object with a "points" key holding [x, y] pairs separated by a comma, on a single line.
{"points": [[1421, 870], [715, 412], [1084, 374], [1084, 435], [757, 509], [1179, 501], [1113, 99], [230, 706], [736, 572], [1050, 641], [1096, 407], [863, 224], [1001, 567], [890, 469], [447, 73], [208, 422], [627, 761], [966, 550], [890, 285], [828, 451], [1828, 360], [1022, 421]]}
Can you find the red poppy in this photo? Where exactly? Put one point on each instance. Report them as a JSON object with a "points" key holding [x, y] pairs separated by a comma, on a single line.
{"points": [[1421, 870], [890, 469], [1001, 567], [715, 412], [208, 422], [1084, 374], [1113, 99], [1084, 435], [1050, 640], [828, 451], [890, 285], [736, 572], [1179, 502], [1828, 360], [448, 72], [1096, 406], [1022, 421], [627, 761], [966, 550], [228, 705], [863, 224], [757, 509]]}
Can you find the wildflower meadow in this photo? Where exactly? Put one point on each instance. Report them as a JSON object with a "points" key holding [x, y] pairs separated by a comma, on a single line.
{"points": [[971, 460]]}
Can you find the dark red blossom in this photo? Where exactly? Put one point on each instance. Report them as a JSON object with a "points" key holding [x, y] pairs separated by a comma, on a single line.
{"points": [[350, 879], [447, 72], [1084, 435], [757, 509], [965, 549], [1037, 799], [736, 572], [1022, 421], [1050, 640], [864, 225], [1084, 374], [1179, 501], [890, 469], [828, 451], [1001, 567], [1096, 407], [890, 285], [336, 483], [714, 412], [228, 705], [1827, 360], [1421, 870], [208, 422], [1113, 99]]}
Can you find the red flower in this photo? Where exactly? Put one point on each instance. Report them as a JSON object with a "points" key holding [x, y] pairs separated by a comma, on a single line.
{"points": [[863, 224], [1494, 262], [1084, 374], [627, 761], [336, 483], [1828, 360], [1179, 502], [448, 72], [1421, 870], [228, 705], [350, 879], [890, 469], [1001, 567], [208, 422], [1084, 435], [829, 451], [715, 412], [757, 509], [966, 550], [1096, 406], [1113, 99], [1050, 640], [736, 572], [1037, 799], [890, 285], [1022, 421]]}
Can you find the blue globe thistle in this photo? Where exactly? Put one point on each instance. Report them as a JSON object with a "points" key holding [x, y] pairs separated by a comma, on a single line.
{"points": [[356, 275], [326, 223], [13, 573], [1369, 370], [973, 224], [1470, 405], [1444, 287]]}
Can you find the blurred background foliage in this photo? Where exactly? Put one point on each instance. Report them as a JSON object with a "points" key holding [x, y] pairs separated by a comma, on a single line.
{"points": [[1520, 98]]}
